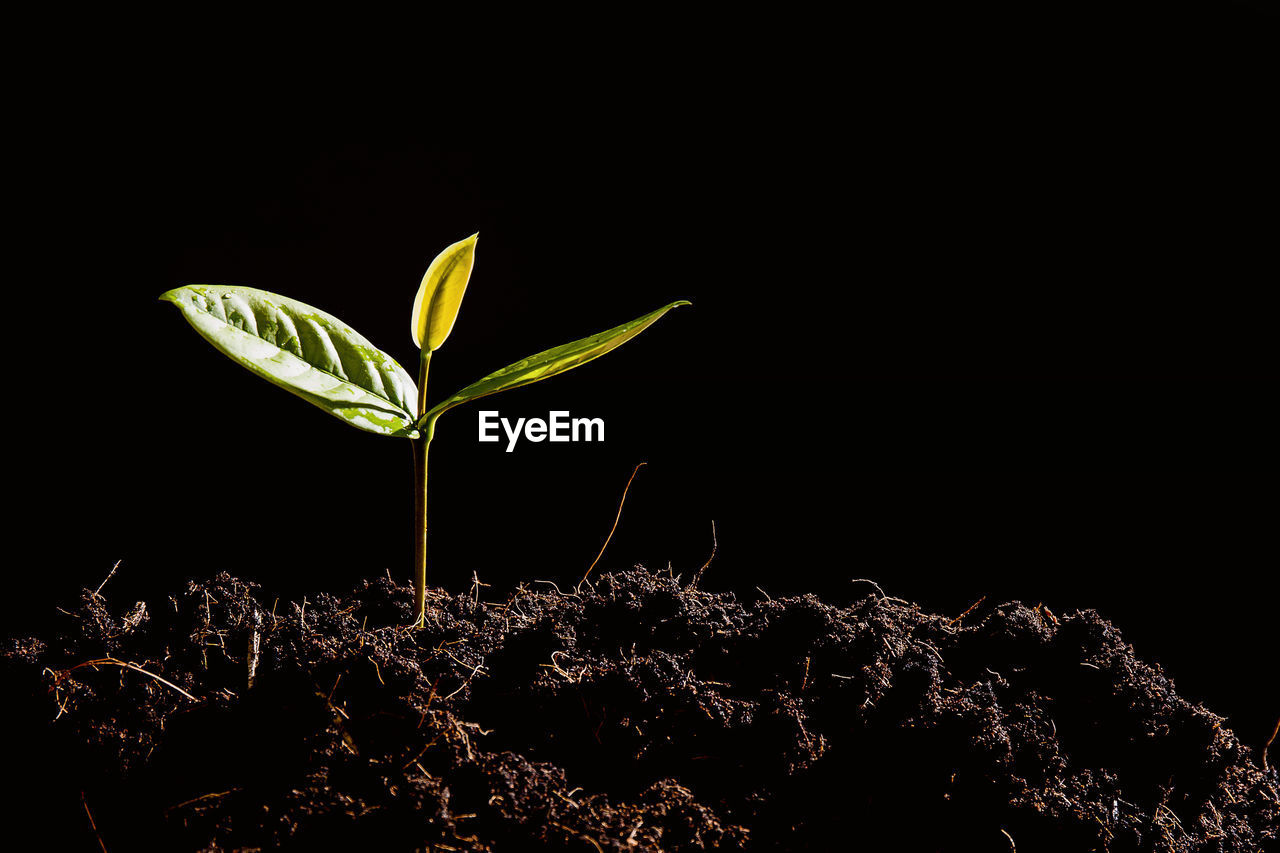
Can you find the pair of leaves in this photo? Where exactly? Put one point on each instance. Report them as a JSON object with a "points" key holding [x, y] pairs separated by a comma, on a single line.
{"points": [[327, 363]]}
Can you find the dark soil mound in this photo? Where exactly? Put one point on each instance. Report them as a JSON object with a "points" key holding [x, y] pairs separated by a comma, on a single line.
{"points": [[639, 715]]}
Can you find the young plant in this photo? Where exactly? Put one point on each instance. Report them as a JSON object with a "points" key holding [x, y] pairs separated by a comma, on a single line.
{"points": [[327, 363]]}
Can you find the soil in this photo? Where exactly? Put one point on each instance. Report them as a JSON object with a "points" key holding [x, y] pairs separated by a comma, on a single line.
{"points": [[638, 714]]}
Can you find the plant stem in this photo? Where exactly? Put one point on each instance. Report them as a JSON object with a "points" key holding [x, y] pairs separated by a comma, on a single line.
{"points": [[420, 447]]}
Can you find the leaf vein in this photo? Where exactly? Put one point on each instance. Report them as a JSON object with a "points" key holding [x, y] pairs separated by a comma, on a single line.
{"points": [[394, 408]]}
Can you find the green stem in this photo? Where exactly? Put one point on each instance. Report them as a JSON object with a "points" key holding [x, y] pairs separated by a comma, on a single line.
{"points": [[420, 447]]}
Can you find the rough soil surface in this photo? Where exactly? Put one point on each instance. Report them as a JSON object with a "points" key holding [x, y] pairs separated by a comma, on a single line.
{"points": [[638, 715]]}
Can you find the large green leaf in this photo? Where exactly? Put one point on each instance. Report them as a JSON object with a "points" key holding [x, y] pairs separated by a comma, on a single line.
{"points": [[306, 351], [546, 364]]}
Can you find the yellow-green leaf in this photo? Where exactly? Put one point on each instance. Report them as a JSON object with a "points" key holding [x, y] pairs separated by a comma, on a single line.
{"points": [[548, 363], [440, 295]]}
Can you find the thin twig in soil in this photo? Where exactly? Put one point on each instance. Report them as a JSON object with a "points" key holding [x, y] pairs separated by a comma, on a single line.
{"points": [[557, 589], [430, 698], [930, 647], [972, 607], [612, 529], [255, 647], [697, 576], [873, 583], [208, 621], [211, 796], [421, 753], [479, 670], [57, 694], [466, 741], [339, 715], [574, 803], [1267, 746], [107, 578], [568, 676], [127, 665], [92, 825], [475, 586]]}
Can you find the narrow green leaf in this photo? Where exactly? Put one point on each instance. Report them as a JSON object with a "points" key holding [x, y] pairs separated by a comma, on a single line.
{"points": [[306, 351], [435, 308], [546, 364]]}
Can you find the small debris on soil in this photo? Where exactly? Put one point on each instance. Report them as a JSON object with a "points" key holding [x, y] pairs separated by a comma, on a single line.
{"points": [[633, 715]]}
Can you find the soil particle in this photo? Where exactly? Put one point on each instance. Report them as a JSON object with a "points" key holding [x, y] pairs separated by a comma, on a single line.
{"points": [[637, 715]]}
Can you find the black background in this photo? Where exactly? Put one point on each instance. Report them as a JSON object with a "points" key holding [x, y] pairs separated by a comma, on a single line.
{"points": [[980, 309]]}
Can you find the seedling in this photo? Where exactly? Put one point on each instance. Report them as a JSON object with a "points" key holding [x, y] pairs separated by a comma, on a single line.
{"points": [[327, 363]]}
